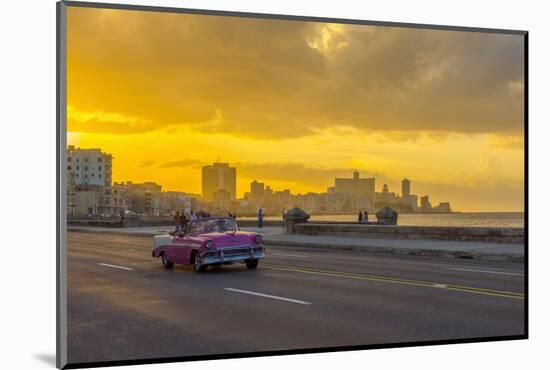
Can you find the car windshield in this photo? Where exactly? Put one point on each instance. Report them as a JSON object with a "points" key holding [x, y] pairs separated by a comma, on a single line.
{"points": [[209, 225]]}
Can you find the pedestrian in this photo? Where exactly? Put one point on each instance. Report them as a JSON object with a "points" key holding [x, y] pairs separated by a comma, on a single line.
{"points": [[360, 217], [122, 218], [183, 224], [177, 219], [260, 218], [193, 216], [365, 217]]}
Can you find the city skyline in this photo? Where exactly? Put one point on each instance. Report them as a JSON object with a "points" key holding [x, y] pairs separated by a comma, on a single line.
{"points": [[297, 104]]}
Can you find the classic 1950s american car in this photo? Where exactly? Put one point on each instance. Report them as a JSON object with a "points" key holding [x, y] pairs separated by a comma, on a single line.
{"points": [[209, 241]]}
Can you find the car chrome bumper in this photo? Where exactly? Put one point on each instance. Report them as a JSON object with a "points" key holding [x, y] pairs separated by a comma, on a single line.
{"points": [[233, 254]]}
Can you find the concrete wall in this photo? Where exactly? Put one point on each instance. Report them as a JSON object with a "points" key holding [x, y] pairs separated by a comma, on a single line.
{"points": [[480, 234], [153, 221]]}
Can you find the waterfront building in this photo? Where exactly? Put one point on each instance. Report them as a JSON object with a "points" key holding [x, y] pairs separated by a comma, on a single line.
{"points": [[89, 176], [443, 207], [141, 198], [413, 201], [218, 176], [177, 201], [425, 204], [221, 200], [406, 191], [119, 200], [355, 186]]}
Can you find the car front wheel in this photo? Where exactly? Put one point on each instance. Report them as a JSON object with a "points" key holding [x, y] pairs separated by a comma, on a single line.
{"points": [[197, 264], [251, 264], [167, 264]]}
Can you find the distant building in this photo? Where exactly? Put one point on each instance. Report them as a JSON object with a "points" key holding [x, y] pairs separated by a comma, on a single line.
{"points": [[282, 198], [413, 201], [89, 176], [406, 191], [386, 196], [221, 200], [89, 167], [218, 176], [355, 186], [425, 204], [257, 190], [176, 201], [119, 200], [443, 207], [144, 198]]}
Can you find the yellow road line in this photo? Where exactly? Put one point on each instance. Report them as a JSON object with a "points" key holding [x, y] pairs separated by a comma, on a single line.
{"points": [[483, 291]]}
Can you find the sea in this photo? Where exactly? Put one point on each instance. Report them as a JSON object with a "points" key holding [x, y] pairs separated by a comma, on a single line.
{"points": [[463, 219]]}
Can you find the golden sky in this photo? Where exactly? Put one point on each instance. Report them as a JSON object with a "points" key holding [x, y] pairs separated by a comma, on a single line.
{"points": [[295, 104]]}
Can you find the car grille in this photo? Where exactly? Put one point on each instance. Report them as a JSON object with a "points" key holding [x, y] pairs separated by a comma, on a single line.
{"points": [[234, 251]]}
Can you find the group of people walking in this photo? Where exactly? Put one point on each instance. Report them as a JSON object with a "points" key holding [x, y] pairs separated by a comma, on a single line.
{"points": [[181, 220], [363, 217]]}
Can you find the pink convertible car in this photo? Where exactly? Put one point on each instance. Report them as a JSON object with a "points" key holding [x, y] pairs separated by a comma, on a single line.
{"points": [[210, 241]]}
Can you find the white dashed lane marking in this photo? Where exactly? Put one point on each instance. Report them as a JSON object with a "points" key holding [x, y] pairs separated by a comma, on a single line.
{"points": [[268, 296], [116, 266]]}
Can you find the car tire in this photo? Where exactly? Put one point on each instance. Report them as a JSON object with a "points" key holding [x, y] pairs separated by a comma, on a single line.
{"points": [[197, 267], [165, 263], [252, 264]]}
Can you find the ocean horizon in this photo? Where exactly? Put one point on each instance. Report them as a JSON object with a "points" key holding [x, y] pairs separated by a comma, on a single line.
{"points": [[461, 219]]}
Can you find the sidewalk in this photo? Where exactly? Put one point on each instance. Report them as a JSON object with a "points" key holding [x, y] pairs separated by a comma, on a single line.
{"points": [[275, 236]]}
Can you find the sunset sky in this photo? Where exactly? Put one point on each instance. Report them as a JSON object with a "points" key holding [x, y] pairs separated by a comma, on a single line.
{"points": [[295, 104]]}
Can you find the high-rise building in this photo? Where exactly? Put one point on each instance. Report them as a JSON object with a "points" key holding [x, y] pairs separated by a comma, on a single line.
{"points": [[406, 190], [413, 201], [256, 190], [89, 177], [89, 167], [218, 176], [425, 204], [355, 186]]}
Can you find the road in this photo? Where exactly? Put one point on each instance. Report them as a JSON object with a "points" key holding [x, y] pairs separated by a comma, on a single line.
{"points": [[124, 305]]}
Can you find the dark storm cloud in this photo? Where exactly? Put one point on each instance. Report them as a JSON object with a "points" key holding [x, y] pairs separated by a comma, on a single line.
{"points": [[272, 78], [180, 163]]}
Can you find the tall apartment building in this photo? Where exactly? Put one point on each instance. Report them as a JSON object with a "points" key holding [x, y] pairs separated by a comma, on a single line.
{"points": [[218, 176], [89, 177], [425, 204], [257, 190], [406, 190]]}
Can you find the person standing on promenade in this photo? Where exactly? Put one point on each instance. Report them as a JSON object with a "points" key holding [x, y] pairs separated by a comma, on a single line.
{"points": [[177, 219], [365, 217], [193, 216], [183, 223], [260, 218], [360, 217]]}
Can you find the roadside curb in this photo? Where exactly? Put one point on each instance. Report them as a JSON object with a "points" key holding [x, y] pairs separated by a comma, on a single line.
{"points": [[506, 257], [403, 251]]}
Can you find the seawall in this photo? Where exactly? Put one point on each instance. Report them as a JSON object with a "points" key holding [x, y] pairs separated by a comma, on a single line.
{"points": [[508, 235]]}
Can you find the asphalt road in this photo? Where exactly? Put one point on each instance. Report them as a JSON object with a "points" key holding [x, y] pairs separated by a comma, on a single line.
{"points": [[124, 305]]}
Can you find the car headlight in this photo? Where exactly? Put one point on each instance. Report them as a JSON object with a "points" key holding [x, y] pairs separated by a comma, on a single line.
{"points": [[258, 239], [209, 244]]}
